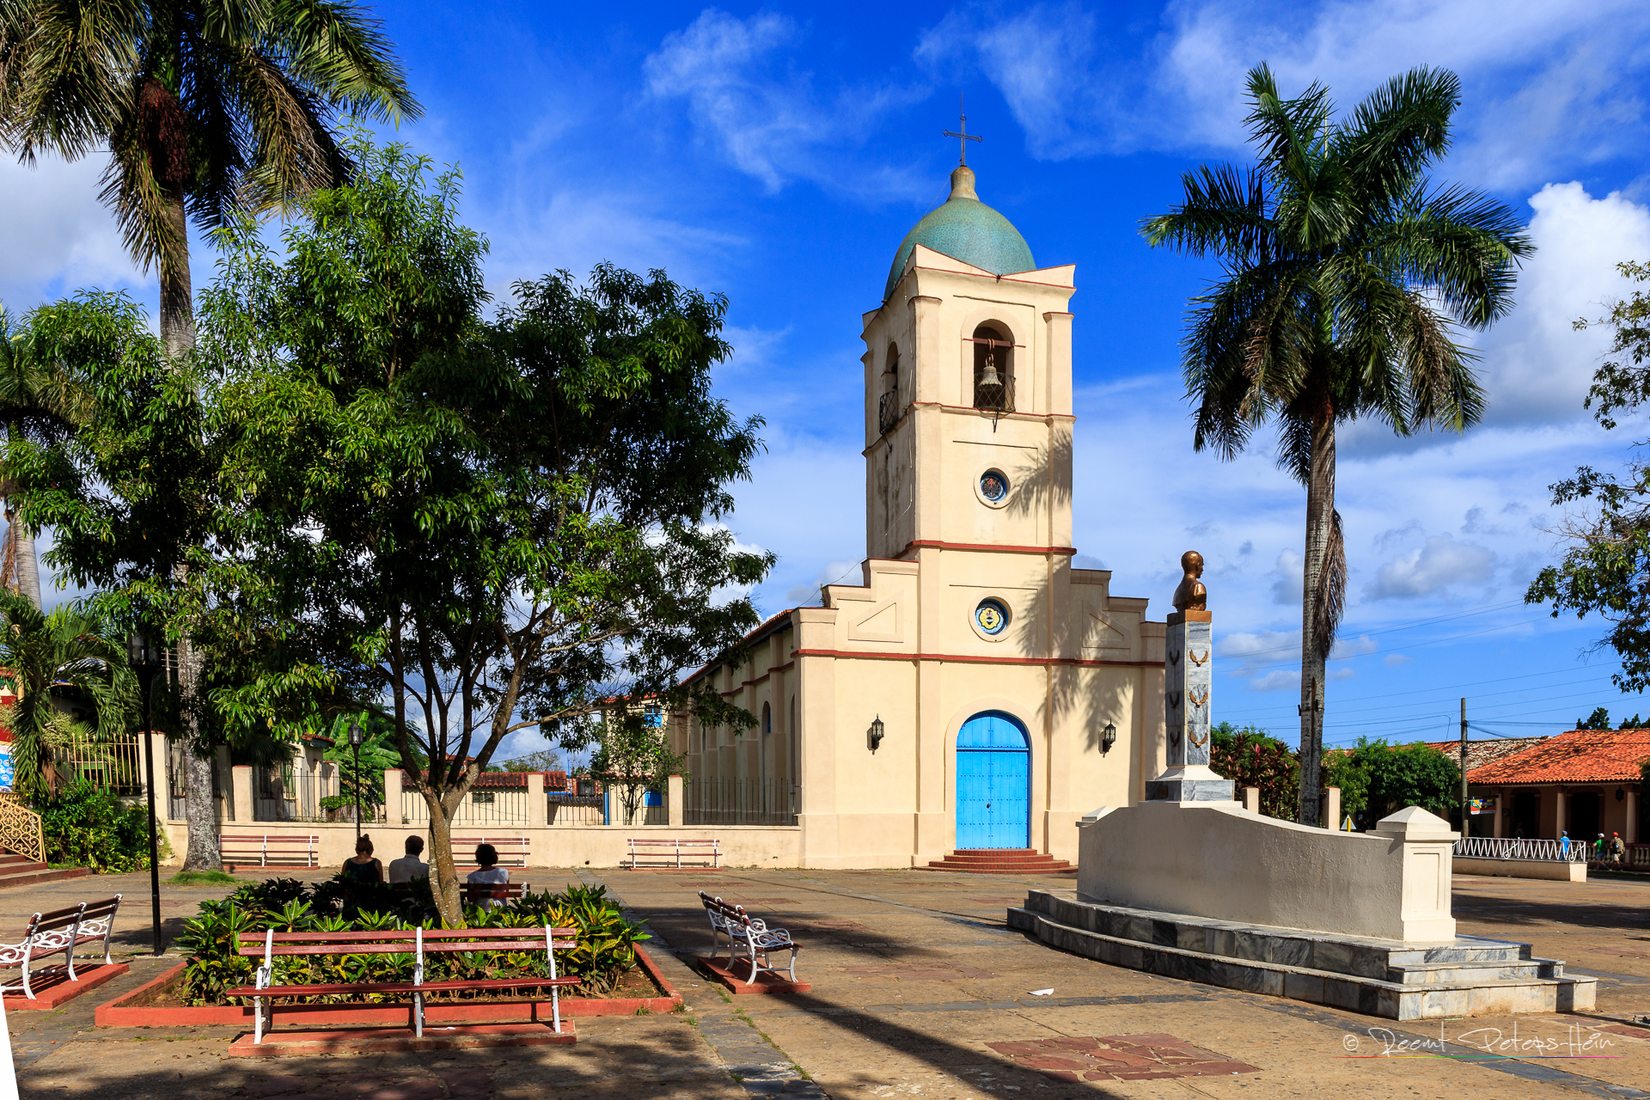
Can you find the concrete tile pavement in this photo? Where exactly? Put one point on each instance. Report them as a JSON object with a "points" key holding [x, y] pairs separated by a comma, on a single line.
{"points": [[916, 977]]}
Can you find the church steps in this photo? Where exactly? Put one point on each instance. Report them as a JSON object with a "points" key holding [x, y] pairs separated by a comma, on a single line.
{"points": [[1002, 861], [1467, 978]]}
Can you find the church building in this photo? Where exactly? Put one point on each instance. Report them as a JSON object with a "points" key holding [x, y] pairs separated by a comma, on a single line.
{"points": [[975, 692]]}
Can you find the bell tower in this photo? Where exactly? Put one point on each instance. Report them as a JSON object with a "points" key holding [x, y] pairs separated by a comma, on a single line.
{"points": [[968, 407]]}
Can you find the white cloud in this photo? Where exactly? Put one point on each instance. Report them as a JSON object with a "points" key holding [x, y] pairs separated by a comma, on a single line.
{"points": [[55, 236], [767, 118], [1282, 679], [1440, 563], [1545, 86]]}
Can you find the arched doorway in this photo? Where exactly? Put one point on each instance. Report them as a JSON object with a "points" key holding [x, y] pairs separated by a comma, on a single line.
{"points": [[993, 782]]}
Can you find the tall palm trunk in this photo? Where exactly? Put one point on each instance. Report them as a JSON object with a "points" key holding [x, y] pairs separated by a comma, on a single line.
{"points": [[177, 310], [1317, 618], [28, 562]]}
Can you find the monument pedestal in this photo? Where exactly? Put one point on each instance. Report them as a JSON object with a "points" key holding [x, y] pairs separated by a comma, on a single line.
{"points": [[1190, 783], [1188, 683]]}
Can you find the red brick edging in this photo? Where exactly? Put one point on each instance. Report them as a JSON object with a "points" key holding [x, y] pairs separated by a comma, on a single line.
{"points": [[121, 1013]]}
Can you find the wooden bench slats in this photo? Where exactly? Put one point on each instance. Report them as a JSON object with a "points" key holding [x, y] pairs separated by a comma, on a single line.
{"points": [[60, 932], [271, 849], [749, 935], [673, 849], [416, 942]]}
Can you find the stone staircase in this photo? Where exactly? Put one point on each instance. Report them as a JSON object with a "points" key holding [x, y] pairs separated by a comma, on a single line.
{"points": [[1002, 861], [1470, 977], [16, 870]]}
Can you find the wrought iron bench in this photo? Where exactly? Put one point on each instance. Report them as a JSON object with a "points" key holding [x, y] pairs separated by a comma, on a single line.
{"points": [[512, 850], [60, 932], [749, 936], [270, 849], [671, 851], [417, 942]]}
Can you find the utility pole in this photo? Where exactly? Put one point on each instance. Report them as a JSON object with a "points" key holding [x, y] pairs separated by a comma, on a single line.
{"points": [[1465, 830]]}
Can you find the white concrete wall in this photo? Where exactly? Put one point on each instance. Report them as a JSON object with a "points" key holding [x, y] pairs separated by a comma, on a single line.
{"points": [[1522, 868], [1223, 862], [569, 846]]}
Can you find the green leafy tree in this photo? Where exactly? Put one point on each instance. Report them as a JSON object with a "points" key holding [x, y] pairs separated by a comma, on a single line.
{"points": [[495, 526], [632, 757], [54, 658], [1378, 779], [1251, 757], [1606, 570], [38, 400], [209, 109], [1598, 720], [1633, 723], [361, 768], [1344, 274]]}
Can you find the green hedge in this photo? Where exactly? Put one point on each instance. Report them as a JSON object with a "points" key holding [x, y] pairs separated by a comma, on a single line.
{"points": [[88, 826], [606, 941]]}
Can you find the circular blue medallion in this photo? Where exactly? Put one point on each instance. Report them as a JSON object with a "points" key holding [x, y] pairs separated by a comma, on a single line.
{"points": [[994, 486], [991, 616]]}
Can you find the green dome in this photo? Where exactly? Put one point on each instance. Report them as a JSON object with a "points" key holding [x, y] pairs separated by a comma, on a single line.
{"points": [[965, 229]]}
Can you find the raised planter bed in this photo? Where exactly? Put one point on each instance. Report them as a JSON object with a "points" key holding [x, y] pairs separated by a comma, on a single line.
{"points": [[153, 1004]]}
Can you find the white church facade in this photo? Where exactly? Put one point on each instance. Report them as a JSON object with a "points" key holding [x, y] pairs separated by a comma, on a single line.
{"points": [[975, 692]]}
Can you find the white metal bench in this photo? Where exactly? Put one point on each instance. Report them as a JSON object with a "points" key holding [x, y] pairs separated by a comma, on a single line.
{"points": [[748, 936], [671, 851], [270, 849], [59, 932]]}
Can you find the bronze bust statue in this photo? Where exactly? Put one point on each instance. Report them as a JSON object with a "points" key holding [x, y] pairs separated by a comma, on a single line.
{"points": [[1191, 595]]}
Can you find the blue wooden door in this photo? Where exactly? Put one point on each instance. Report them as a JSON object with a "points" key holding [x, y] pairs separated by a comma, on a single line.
{"points": [[993, 783]]}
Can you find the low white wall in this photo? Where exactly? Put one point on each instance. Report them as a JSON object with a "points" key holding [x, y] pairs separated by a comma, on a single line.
{"points": [[563, 846], [1561, 870], [1221, 861]]}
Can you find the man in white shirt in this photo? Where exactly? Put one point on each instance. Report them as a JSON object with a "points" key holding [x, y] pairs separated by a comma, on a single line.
{"points": [[409, 866]]}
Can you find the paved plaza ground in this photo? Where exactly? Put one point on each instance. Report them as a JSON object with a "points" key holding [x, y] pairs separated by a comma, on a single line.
{"points": [[919, 990]]}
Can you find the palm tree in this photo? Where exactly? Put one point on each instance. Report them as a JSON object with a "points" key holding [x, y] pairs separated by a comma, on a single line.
{"points": [[209, 109], [38, 400], [1344, 273], [54, 657]]}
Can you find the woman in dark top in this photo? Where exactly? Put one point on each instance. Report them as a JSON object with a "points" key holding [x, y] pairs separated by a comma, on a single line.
{"points": [[362, 867]]}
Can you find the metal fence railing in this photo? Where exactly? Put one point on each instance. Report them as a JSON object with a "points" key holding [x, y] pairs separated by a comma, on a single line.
{"points": [[116, 764], [724, 801], [1491, 847], [574, 809]]}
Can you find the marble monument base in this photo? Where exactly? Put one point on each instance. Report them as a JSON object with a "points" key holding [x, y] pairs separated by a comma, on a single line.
{"points": [[1466, 976], [1190, 783]]}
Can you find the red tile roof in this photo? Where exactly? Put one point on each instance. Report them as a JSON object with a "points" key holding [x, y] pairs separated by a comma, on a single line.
{"points": [[1580, 756], [1482, 752]]}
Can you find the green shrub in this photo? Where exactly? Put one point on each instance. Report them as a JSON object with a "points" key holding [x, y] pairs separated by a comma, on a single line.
{"points": [[88, 826], [606, 940]]}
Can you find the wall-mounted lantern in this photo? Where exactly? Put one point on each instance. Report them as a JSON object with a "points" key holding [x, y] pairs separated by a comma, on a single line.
{"points": [[874, 735], [1108, 738]]}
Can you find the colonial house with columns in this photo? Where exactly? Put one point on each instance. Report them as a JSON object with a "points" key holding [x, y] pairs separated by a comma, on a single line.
{"points": [[974, 692]]}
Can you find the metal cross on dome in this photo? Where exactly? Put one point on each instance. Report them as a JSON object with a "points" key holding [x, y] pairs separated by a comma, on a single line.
{"points": [[961, 133]]}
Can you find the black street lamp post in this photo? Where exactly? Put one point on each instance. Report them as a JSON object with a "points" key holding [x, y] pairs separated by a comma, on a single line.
{"points": [[145, 660], [356, 736]]}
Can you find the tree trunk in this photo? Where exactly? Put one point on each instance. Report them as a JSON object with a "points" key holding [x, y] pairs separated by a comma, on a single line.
{"points": [[177, 310], [200, 805], [28, 563], [1320, 515], [449, 903]]}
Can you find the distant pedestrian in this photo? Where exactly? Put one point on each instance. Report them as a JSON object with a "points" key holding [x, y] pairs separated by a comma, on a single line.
{"points": [[1564, 844], [1618, 848], [1598, 849]]}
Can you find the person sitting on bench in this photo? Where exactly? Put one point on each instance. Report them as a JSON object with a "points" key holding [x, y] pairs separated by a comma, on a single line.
{"points": [[362, 868], [409, 866], [488, 873]]}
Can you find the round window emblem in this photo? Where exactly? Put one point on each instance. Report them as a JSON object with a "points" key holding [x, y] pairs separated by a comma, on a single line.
{"points": [[994, 486], [991, 616]]}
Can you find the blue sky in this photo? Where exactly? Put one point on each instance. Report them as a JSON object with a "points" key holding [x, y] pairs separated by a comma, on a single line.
{"points": [[778, 156]]}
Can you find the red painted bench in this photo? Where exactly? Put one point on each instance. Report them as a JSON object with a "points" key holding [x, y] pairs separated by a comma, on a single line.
{"points": [[707, 849], [477, 893], [512, 850], [270, 849], [417, 942]]}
